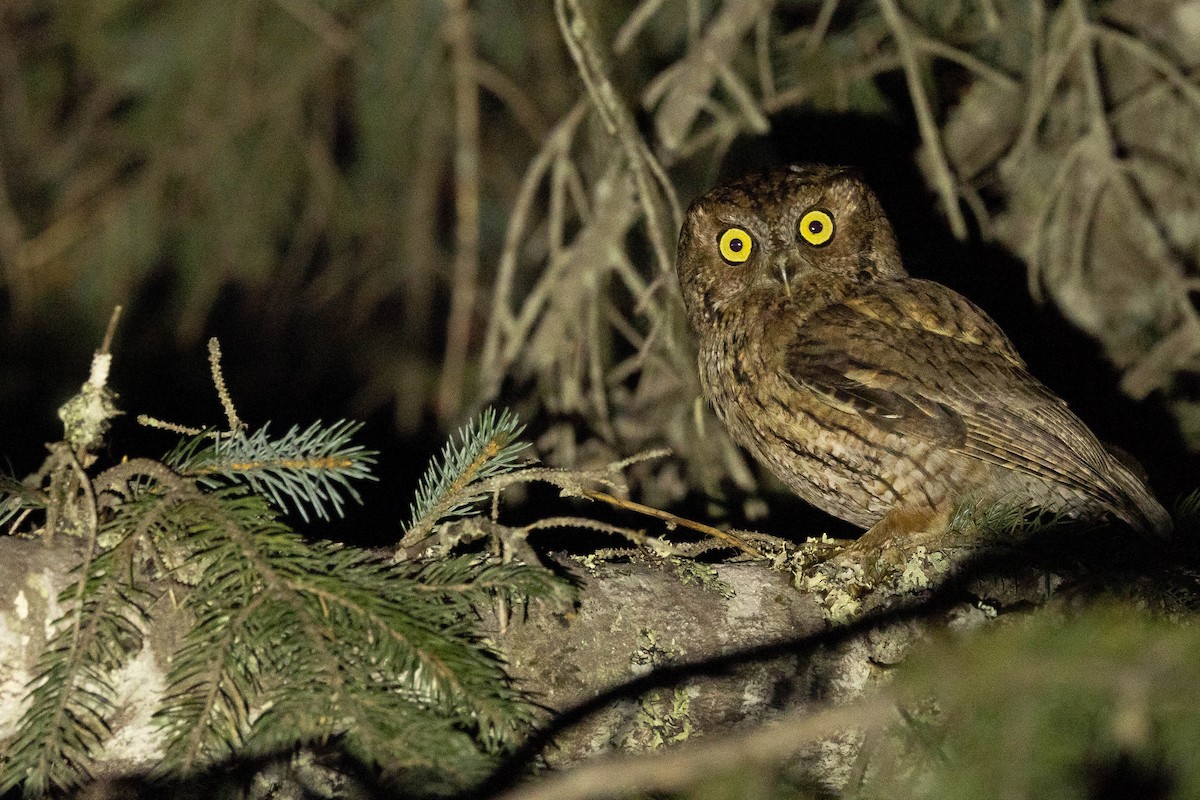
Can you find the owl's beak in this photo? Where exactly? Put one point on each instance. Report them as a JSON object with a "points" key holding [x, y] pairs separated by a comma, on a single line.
{"points": [[786, 267]]}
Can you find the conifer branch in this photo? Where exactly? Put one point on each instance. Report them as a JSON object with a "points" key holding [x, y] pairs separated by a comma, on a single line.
{"points": [[309, 469], [16, 500], [162, 425], [71, 699], [276, 614], [291, 641], [485, 447]]}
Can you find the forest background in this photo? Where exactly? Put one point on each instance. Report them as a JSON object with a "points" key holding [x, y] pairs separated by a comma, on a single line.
{"points": [[402, 212]]}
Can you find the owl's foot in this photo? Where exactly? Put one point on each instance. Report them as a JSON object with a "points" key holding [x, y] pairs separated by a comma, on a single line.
{"points": [[903, 526], [899, 554], [888, 544]]}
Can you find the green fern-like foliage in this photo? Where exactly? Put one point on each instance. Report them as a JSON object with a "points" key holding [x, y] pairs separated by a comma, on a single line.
{"points": [[331, 641], [290, 641], [15, 498]]}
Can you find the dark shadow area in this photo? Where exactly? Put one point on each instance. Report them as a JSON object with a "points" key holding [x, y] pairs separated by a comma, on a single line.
{"points": [[42, 364], [1127, 777], [285, 368]]}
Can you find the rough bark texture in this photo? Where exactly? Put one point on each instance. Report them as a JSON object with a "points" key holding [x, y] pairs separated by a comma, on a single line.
{"points": [[659, 651], [656, 651], [634, 618], [32, 576]]}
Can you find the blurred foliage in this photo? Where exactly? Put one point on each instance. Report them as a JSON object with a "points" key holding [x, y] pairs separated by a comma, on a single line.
{"points": [[316, 156], [1094, 704], [296, 150], [1088, 703]]}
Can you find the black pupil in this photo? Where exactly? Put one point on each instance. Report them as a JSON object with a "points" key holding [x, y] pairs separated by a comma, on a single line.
{"points": [[815, 227], [736, 245]]}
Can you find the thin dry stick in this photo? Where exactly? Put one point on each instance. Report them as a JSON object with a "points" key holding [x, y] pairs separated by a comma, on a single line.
{"points": [[1046, 71], [1090, 207], [521, 105], [649, 176], [1094, 93], [1147, 54], [1054, 190], [943, 178], [799, 93], [949, 52], [762, 57], [502, 325], [1121, 182], [678, 768], [163, 425], [990, 16], [821, 27], [111, 330], [466, 206], [754, 119], [214, 361], [671, 519], [634, 24], [326, 26]]}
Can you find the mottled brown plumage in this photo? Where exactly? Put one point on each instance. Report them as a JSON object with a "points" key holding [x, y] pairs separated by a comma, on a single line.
{"points": [[882, 399]]}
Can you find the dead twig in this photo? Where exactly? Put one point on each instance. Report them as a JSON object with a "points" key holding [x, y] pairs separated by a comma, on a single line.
{"points": [[466, 207], [672, 519], [943, 176]]}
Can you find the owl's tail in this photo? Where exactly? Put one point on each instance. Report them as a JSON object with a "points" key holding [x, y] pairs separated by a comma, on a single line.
{"points": [[1136, 505]]}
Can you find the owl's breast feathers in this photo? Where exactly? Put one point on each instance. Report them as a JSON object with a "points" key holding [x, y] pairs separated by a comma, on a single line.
{"points": [[915, 358]]}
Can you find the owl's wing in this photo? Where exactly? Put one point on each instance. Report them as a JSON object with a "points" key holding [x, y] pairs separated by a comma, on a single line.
{"points": [[916, 358]]}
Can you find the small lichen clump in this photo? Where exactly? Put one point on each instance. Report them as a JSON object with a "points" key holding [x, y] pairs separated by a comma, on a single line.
{"points": [[86, 416]]}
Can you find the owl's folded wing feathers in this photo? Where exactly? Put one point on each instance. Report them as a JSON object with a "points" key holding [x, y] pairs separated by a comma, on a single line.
{"points": [[917, 359]]}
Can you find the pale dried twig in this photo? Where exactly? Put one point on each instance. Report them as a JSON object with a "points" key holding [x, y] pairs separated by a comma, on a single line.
{"points": [[943, 177], [466, 207], [218, 377], [673, 519]]}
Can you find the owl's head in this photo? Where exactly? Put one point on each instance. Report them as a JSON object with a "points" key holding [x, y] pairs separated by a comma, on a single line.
{"points": [[805, 235]]}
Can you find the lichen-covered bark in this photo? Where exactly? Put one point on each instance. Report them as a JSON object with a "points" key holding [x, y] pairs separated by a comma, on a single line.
{"points": [[32, 577], [656, 651], [636, 617]]}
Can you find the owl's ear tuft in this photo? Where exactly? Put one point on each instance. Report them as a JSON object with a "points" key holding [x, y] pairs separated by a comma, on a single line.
{"points": [[848, 190]]}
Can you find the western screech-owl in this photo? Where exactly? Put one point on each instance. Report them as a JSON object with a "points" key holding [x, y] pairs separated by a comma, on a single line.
{"points": [[882, 399]]}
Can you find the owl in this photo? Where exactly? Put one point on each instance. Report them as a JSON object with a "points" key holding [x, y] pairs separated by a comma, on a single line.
{"points": [[883, 399]]}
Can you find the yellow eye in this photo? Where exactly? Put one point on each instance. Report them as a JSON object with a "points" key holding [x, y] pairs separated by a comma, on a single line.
{"points": [[735, 245], [816, 227]]}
